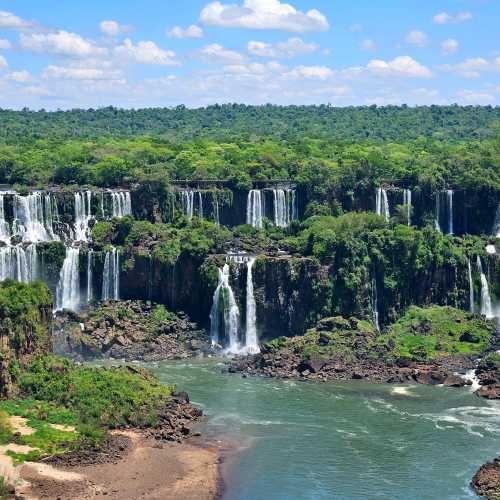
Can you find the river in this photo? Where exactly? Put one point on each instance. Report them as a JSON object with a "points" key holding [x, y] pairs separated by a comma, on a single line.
{"points": [[349, 440]]}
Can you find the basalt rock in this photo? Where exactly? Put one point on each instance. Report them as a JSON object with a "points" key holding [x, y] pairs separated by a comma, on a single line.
{"points": [[486, 481]]}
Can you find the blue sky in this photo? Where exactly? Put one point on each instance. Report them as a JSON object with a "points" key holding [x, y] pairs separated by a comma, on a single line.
{"points": [[91, 53]]}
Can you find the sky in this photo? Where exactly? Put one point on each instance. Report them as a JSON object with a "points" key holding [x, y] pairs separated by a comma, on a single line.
{"points": [[63, 54]]}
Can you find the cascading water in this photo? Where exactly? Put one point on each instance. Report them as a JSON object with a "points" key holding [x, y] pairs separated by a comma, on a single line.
{"points": [[471, 287], [121, 204], [90, 258], [284, 207], [29, 215], [382, 204], [437, 213], [68, 288], [19, 263], [111, 275], [486, 307], [496, 224], [407, 204], [200, 205], [188, 203], [375, 304], [4, 225], [216, 210], [255, 208], [231, 313], [251, 342], [449, 197], [83, 214]]}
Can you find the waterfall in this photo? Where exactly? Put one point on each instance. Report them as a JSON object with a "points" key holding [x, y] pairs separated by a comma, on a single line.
{"points": [[111, 275], [83, 214], [496, 224], [19, 263], [486, 307], [382, 204], [284, 207], [4, 225], [101, 205], [449, 197], [254, 208], [121, 204], [251, 342], [216, 210], [90, 258], [375, 304], [29, 217], [200, 205], [231, 312], [188, 203], [68, 288], [471, 287], [407, 203], [437, 225]]}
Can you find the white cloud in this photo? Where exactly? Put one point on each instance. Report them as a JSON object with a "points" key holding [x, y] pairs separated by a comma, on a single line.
{"points": [[449, 46], [289, 48], [215, 53], [3, 62], [311, 72], [403, 66], [367, 44], [62, 43], [145, 52], [19, 76], [475, 97], [73, 73], [263, 14], [11, 21], [445, 18], [470, 68], [417, 38], [5, 44], [356, 28], [192, 31], [36, 90], [113, 28]]}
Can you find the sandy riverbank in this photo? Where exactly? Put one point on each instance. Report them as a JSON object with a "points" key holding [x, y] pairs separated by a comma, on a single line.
{"points": [[146, 469]]}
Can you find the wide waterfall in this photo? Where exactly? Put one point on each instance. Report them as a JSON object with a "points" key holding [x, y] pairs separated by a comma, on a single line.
{"points": [[33, 217], [486, 307], [111, 275], [407, 204], [231, 313], [251, 342], [255, 208], [382, 204], [83, 214], [19, 263], [68, 288], [121, 204], [449, 197], [284, 207], [471, 287]]}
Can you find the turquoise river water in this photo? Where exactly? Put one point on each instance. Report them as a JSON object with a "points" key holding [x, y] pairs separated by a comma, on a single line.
{"points": [[350, 440]]}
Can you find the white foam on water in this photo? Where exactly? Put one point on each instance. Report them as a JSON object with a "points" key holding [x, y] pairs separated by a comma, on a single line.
{"points": [[403, 391]]}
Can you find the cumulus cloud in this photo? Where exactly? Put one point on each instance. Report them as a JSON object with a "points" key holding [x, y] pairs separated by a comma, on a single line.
{"points": [[3, 62], [113, 28], [289, 48], [61, 42], [449, 46], [22, 76], [145, 52], [367, 44], [74, 73], [417, 38], [192, 31], [5, 44], [470, 68], [474, 97], [402, 66], [311, 72], [445, 18], [8, 20], [215, 53], [263, 14]]}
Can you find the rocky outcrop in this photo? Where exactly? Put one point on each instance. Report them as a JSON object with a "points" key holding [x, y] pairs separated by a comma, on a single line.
{"points": [[130, 330], [486, 481], [488, 373]]}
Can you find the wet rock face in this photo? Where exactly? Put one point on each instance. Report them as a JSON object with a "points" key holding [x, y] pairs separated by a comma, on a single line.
{"points": [[486, 481], [130, 330]]}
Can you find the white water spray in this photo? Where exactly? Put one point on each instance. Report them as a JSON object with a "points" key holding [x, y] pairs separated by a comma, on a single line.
{"points": [[68, 288], [382, 204], [486, 307], [255, 208], [111, 275]]}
